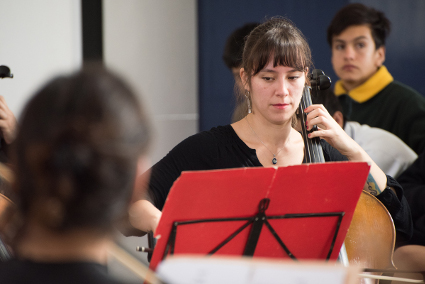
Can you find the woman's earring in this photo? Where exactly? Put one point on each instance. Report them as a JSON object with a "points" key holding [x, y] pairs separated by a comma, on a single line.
{"points": [[249, 102]]}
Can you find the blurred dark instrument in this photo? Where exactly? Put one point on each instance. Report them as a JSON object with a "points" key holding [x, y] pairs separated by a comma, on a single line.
{"points": [[5, 72]]}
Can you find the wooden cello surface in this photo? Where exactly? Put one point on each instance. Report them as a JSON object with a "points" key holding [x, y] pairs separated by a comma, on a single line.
{"points": [[371, 237]]}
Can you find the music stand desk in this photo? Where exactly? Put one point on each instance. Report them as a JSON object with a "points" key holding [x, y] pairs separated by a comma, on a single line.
{"points": [[298, 212]]}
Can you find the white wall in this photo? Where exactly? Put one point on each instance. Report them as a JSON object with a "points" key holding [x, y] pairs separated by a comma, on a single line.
{"points": [[153, 44], [38, 39]]}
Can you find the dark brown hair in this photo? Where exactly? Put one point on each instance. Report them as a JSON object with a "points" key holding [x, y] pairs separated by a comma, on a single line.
{"points": [[328, 99], [357, 14], [233, 50], [77, 150], [277, 37]]}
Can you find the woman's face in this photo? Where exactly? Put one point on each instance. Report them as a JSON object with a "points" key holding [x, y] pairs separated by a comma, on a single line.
{"points": [[276, 92]]}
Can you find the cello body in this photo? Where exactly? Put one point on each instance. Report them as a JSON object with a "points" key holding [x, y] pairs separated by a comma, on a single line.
{"points": [[370, 239]]}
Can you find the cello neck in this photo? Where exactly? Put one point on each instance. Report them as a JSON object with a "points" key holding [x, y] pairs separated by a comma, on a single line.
{"points": [[313, 152]]}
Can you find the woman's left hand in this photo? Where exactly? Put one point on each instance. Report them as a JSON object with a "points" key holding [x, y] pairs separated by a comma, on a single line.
{"points": [[329, 130]]}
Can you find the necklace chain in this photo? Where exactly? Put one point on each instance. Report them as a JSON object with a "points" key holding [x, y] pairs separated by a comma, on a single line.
{"points": [[274, 161]]}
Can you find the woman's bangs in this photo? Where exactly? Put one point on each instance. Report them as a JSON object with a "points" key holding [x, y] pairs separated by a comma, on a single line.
{"points": [[261, 60], [289, 54]]}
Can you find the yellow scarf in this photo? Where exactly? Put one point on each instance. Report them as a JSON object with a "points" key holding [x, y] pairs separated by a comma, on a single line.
{"points": [[368, 89]]}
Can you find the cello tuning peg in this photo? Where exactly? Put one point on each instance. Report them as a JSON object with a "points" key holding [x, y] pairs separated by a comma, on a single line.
{"points": [[324, 82], [316, 73], [320, 80]]}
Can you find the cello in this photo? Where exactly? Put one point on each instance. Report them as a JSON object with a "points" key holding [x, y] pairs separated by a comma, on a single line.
{"points": [[370, 239]]}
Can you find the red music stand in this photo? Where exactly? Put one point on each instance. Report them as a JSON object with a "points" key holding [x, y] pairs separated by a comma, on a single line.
{"points": [[298, 212]]}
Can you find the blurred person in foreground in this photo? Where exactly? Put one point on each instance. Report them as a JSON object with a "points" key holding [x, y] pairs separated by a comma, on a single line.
{"points": [[82, 141]]}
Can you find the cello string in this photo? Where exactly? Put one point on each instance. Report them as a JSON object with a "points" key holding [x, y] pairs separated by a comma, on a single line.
{"points": [[304, 128], [312, 141], [315, 142], [314, 151]]}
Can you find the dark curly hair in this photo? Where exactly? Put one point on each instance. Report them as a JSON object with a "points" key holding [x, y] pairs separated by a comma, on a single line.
{"points": [[357, 14], [277, 39], [77, 150], [232, 54]]}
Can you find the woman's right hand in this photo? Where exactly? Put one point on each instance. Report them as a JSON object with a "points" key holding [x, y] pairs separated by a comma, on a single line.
{"points": [[144, 216], [331, 131]]}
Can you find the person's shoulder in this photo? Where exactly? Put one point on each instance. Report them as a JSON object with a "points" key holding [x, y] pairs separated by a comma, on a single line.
{"points": [[402, 86], [220, 130], [378, 140], [218, 133], [14, 272], [203, 142], [23, 271], [404, 91], [9, 265], [364, 130]]}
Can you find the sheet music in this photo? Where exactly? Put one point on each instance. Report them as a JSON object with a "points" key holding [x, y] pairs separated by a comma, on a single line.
{"points": [[211, 270]]}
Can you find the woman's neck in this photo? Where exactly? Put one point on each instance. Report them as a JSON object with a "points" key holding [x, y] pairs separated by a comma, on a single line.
{"points": [[273, 134], [42, 245], [275, 144]]}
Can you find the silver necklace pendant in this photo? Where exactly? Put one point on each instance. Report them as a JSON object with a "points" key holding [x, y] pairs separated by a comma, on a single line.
{"points": [[274, 161]]}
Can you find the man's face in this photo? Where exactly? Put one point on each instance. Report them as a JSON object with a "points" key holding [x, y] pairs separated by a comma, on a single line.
{"points": [[354, 57]]}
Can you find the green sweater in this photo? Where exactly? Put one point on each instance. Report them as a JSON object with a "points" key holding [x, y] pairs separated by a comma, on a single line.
{"points": [[397, 108]]}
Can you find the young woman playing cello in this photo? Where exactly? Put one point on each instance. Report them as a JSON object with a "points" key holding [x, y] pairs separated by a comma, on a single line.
{"points": [[276, 60]]}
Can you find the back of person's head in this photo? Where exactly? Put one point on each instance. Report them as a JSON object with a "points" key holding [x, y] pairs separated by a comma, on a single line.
{"points": [[328, 99], [232, 54], [76, 153], [357, 14]]}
